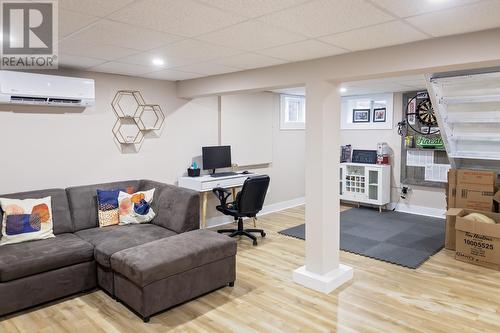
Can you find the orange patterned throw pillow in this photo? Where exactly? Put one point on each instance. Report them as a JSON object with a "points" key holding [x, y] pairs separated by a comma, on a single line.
{"points": [[26, 220], [135, 208]]}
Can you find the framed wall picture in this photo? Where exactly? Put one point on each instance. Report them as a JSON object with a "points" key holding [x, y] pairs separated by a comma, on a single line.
{"points": [[361, 115], [348, 121], [379, 115]]}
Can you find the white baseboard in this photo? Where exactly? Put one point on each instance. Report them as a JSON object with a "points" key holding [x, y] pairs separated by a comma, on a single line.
{"points": [[267, 209], [418, 210], [276, 207]]}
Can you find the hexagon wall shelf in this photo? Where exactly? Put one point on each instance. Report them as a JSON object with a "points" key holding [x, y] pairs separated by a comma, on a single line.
{"points": [[127, 133], [134, 117], [126, 100], [150, 117]]}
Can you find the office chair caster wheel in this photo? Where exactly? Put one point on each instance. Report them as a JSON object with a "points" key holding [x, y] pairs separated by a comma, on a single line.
{"points": [[263, 234], [254, 243]]}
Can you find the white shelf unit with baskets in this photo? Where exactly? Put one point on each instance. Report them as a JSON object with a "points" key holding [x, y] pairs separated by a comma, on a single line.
{"points": [[365, 183]]}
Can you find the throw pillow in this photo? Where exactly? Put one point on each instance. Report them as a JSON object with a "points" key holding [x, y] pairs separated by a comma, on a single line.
{"points": [[136, 207], [107, 207], [26, 220]]}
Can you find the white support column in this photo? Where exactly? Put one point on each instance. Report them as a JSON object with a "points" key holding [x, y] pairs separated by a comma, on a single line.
{"points": [[322, 271]]}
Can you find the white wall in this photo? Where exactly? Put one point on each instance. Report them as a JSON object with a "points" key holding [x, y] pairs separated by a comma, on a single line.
{"points": [[247, 126], [59, 147], [52, 147], [287, 170], [425, 200]]}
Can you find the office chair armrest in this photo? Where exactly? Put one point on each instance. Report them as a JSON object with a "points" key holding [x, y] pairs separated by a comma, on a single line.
{"points": [[222, 194]]}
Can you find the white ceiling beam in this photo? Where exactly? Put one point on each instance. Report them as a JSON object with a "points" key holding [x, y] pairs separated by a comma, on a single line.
{"points": [[472, 50]]}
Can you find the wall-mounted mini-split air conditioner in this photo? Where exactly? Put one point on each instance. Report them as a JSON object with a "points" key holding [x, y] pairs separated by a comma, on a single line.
{"points": [[50, 90]]}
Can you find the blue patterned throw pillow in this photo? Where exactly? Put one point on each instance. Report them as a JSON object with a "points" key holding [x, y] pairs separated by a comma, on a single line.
{"points": [[107, 201]]}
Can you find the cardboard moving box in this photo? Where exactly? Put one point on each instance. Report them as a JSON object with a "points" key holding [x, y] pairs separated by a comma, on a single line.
{"points": [[472, 189], [450, 232], [477, 243]]}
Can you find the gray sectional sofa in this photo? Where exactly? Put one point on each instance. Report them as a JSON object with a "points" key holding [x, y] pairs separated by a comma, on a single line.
{"points": [[150, 267]]}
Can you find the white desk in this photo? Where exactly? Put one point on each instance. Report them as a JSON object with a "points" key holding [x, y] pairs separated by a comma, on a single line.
{"points": [[204, 185]]}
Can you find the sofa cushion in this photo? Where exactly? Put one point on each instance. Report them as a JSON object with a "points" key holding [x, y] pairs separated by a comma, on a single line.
{"points": [[176, 208], [112, 239], [160, 259], [83, 202], [60, 209], [29, 258]]}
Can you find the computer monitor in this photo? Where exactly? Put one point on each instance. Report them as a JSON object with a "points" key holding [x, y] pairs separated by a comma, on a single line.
{"points": [[216, 157]]}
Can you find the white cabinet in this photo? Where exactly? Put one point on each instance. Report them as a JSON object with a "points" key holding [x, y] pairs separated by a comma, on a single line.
{"points": [[365, 183]]}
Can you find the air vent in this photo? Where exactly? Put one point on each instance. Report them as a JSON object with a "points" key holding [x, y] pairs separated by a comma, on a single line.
{"points": [[64, 101], [28, 99]]}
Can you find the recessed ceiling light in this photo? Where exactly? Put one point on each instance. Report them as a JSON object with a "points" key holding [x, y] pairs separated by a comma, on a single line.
{"points": [[343, 90], [158, 62]]}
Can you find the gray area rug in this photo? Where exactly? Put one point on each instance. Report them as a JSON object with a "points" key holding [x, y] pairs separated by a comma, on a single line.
{"points": [[398, 238]]}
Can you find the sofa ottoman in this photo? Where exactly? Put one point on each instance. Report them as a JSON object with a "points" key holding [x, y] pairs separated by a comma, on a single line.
{"points": [[153, 277]]}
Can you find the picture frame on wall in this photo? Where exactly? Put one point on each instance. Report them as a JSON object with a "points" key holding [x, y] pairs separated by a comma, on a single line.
{"points": [[361, 115], [354, 109], [379, 115]]}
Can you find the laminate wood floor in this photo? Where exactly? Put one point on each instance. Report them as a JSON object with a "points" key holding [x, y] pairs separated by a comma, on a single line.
{"points": [[443, 295]]}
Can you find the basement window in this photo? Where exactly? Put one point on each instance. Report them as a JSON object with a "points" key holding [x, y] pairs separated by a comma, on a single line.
{"points": [[292, 112]]}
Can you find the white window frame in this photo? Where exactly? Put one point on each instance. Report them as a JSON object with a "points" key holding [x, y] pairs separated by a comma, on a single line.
{"points": [[285, 123]]}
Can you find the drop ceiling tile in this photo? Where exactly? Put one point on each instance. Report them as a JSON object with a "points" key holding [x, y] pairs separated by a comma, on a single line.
{"points": [[385, 34], [208, 68], [70, 21], [171, 75], [194, 50], [99, 51], [249, 61], [179, 17], [309, 49], [324, 17], [72, 61], [405, 8], [94, 7], [251, 36], [480, 16], [123, 35], [253, 8], [146, 59], [120, 68]]}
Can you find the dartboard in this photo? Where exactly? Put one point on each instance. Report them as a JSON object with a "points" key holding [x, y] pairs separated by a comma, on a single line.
{"points": [[420, 109], [425, 113]]}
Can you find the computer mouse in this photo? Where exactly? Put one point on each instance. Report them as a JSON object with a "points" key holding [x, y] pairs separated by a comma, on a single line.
{"points": [[246, 172]]}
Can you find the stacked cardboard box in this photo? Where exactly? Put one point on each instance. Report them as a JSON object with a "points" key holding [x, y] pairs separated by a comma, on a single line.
{"points": [[473, 191]]}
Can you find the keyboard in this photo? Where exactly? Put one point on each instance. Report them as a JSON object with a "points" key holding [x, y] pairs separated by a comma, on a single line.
{"points": [[223, 174]]}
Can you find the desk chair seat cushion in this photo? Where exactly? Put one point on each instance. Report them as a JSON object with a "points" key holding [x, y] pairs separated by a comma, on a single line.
{"points": [[228, 210]]}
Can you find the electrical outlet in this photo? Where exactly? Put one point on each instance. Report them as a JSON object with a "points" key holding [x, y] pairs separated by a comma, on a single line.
{"points": [[404, 191]]}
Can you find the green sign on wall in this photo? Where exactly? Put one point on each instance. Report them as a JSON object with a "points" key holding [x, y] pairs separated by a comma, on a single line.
{"points": [[429, 142]]}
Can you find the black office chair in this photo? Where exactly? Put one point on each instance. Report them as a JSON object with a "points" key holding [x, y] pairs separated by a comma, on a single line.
{"points": [[248, 203]]}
